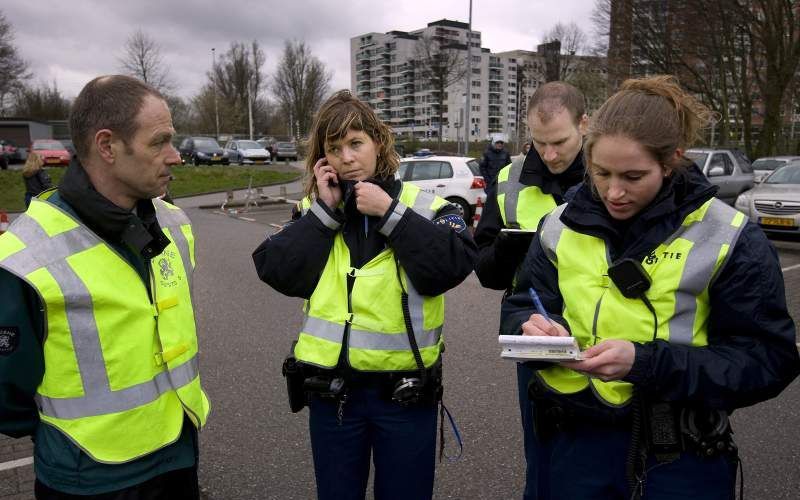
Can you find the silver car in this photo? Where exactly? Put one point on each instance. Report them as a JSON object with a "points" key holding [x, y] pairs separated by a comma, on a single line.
{"points": [[765, 166], [729, 169], [246, 152], [775, 203]]}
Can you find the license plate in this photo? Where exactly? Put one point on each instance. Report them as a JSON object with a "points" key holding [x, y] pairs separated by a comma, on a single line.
{"points": [[776, 221], [215, 157], [53, 160], [259, 161]]}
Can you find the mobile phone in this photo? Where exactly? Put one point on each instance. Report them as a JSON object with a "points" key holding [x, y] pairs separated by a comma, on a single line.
{"points": [[331, 183]]}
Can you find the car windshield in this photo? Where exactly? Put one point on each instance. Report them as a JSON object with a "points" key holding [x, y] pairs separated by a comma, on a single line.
{"points": [[767, 164], [47, 145], [206, 143], [286, 145], [789, 174], [249, 145], [697, 157]]}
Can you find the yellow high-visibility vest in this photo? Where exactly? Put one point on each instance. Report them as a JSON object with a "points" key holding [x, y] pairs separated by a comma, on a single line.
{"points": [[521, 206], [121, 369], [377, 340], [681, 268]]}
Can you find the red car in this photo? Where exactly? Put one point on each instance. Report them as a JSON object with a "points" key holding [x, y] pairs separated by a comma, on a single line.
{"points": [[53, 153]]}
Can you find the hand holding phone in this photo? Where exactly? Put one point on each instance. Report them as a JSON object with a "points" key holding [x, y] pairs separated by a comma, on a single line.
{"points": [[327, 183]]}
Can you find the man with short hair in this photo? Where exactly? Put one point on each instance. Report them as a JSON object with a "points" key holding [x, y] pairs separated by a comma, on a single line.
{"points": [[99, 355], [525, 192], [494, 158]]}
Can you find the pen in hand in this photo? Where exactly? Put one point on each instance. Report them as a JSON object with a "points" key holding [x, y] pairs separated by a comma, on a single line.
{"points": [[538, 303]]}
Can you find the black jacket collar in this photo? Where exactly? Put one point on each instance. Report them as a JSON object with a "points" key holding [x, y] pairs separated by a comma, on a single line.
{"points": [[536, 173], [139, 230], [680, 195]]}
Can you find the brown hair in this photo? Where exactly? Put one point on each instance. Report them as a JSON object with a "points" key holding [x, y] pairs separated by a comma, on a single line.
{"points": [[33, 164], [107, 102], [550, 98], [656, 113], [341, 113]]}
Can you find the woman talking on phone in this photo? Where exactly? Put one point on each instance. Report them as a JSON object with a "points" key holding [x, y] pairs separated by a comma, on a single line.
{"points": [[676, 300], [372, 256]]}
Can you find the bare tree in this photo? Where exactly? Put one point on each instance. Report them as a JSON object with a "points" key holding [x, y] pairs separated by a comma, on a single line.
{"points": [[13, 69], [601, 27], [775, 39], [237, 76], [41, 103], [573, 43], [439, 63], [300, 84], [141, 58]]}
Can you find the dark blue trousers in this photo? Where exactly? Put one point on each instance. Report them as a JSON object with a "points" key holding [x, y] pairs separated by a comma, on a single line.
{"points": [[589, 463], [535, 482], [402, 442]]}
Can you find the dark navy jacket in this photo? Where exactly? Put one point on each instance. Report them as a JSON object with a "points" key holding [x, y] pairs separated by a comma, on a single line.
{"points": [[751, 354], [492, 162], [436, 257]]}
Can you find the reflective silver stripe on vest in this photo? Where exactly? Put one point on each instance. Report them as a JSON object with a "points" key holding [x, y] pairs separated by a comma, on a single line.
{"points": [[106, 401], [41, 249], [362, 339], [323, 216], [708, 236], [550, 234], [422, 204], [511, 188], [98, 397], [397, 214]]}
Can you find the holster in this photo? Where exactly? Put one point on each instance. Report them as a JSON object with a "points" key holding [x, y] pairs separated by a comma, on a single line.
{"points": [[293, 372]]}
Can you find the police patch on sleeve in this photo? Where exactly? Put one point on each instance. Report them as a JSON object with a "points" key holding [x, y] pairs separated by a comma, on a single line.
{"points": [[9, 339], [456, 222]]}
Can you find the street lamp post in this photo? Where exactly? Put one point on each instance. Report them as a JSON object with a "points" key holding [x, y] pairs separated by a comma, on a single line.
{"points": [[468, 83], [214, 73]]}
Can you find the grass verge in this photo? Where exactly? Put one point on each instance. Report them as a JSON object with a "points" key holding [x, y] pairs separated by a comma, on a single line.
{"points": [[188, 181]]}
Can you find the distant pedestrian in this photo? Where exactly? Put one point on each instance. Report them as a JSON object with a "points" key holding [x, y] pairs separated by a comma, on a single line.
{"points": [[494, 159], [35, 177]]}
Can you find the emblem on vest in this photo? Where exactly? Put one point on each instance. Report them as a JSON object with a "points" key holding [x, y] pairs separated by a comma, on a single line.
{"points": [[9, 339], [165, 269]]}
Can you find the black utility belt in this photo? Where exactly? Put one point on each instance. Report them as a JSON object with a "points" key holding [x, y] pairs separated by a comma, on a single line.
{"points": [[406, 388], [669, 429]]}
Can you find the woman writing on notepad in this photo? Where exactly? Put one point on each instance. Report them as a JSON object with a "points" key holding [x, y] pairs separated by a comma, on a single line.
{"points": [[676, 300]]}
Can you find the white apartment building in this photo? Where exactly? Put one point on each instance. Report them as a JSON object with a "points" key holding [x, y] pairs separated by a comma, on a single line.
{"points": [[382, 73]]}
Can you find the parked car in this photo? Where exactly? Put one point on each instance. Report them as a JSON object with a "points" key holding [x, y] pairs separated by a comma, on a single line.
{"points": [[11, 151], [422, 153], [52, 152], [765, 166], [775, 203], [285, 151], [455, 178], [246, 152], [199, 150], [727, 168]]}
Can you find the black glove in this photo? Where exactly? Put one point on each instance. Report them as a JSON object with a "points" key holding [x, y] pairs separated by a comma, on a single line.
{"points": [[513, 247]]}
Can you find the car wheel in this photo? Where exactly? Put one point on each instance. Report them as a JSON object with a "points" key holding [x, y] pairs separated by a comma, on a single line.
{"points": [[463, 207], [195, 161]]}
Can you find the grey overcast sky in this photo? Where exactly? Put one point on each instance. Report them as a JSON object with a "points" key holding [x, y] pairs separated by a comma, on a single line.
{"points": [[72, 41]]}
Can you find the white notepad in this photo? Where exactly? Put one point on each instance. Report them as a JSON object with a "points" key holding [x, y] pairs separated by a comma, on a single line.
{"points": [[538, 348]]}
